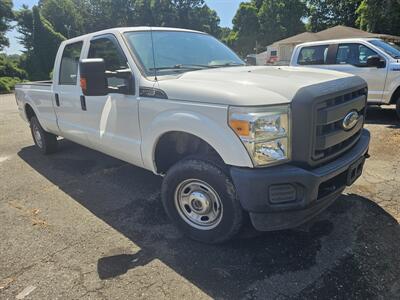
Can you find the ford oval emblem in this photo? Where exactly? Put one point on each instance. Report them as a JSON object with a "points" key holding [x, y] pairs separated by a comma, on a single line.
{"points": [[350, 120]]}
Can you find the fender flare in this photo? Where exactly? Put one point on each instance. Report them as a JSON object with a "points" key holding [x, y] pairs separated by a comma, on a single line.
{"points": [[223, 140]]}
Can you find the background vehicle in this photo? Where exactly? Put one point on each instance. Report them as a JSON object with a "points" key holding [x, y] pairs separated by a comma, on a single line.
{"points": [[277, 143], [376, 61]]}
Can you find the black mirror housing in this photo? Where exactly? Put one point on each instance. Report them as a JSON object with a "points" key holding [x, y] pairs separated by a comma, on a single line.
{"points": [[93, 77], [375, 61]]}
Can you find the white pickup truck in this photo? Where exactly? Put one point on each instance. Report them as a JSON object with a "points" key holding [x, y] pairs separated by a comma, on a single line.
{"points": [[277, 143], [374, 60]]}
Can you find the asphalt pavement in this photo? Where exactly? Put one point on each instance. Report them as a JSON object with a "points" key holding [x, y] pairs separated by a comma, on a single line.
{"points": [[80, 224]]}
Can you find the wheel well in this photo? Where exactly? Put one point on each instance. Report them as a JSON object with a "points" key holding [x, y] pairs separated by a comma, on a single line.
{"points": [[29, 112], [395, 96], [175, 146]]}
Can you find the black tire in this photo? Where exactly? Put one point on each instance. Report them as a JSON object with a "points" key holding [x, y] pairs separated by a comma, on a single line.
{"points": [[398, 107], [231, 214], [48, 141]]}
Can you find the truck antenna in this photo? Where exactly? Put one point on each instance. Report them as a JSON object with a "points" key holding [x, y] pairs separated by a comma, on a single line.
{"points": [[154, 56]]}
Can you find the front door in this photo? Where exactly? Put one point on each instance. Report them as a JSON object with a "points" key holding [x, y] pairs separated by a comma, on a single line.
{"points": [[114, 123], [352, 58]]}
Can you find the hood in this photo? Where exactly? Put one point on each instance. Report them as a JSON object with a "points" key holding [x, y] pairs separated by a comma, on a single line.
{"points": [[250, 85]]}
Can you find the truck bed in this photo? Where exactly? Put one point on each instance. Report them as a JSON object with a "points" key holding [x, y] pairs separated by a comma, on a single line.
{"points": [[35, 83], [39, 96]]}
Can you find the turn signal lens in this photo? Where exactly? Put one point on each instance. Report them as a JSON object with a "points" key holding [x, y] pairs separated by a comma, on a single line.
{"points": [[242, 128]]}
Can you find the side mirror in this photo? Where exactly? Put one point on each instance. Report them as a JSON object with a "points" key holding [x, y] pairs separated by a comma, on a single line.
{"points": [[93, 77], [375, 61], [128, 87]]}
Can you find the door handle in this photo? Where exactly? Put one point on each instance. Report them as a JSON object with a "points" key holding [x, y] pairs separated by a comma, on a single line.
{"points": [[83, 102], [57, 100]]}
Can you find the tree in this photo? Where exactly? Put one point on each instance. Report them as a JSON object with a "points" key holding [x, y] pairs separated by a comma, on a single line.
{"points": [[43, 27], [10, 72], [63, 15], [246, 29], [45, 43], [281, 19], [24, 18], [261, 22], [6, 15], [324, 14], [380, 16]]}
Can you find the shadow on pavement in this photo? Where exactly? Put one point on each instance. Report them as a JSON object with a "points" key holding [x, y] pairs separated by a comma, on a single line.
{"points": [[384, 115], [351, 250]]}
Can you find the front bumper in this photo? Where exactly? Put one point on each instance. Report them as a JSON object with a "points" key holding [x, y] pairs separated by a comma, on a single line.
{"points": [[286, 196]]}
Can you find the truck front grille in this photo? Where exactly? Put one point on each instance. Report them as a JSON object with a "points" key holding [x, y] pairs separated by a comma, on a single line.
{"points": [[330, 137]]}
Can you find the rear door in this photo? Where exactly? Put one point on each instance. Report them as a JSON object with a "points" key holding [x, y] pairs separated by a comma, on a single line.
{"points": [[68, 95], [113, 119]]}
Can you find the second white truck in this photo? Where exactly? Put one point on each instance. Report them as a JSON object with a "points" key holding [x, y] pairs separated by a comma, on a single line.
{"points": [[277, 143], [374, 60]]}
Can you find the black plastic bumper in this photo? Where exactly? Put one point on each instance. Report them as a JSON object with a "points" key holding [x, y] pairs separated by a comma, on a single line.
{"points": [[286, 196]]}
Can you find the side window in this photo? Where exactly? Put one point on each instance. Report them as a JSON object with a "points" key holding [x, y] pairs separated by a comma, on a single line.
{"points": [[353, 54], [364, 53], [313, 55], [69, 64], [114, 59]]}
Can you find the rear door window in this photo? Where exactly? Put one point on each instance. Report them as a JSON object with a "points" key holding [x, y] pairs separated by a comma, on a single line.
{"points": [[313, 55], [70, 63]]}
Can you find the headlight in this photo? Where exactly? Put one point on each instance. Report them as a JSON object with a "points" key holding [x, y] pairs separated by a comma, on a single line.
{"points": [[264, 131]]}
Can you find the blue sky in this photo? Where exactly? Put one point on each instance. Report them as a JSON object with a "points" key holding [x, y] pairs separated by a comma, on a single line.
{"points": [[226, 9]]}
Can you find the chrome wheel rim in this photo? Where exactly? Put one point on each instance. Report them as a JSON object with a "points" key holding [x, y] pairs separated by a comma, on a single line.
{"points": [[198, 204], [37, 136]]}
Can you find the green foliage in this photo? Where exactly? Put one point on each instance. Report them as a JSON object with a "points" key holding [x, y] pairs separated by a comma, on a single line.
{"points": [[261, 22], [257, 23], [381, 16], [46, 25], [329, 13], [246, 29], [6, 15], [10, 66], [64, 16], [280, 19], [7, 84], [45, 42]]}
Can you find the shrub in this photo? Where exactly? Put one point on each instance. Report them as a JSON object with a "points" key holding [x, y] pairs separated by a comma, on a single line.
{"points": [[7, 84]]}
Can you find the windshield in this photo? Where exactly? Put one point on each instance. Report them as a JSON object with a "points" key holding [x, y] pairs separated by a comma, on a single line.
{"points": [[391, 49], [179, 51]]}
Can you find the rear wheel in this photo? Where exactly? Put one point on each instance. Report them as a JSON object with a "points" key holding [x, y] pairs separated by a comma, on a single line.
{"points": [[398, 107], [45, 141], [199, 197]]}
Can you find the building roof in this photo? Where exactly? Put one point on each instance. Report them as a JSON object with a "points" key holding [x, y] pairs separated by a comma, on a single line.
{"points": [[337, 32]]}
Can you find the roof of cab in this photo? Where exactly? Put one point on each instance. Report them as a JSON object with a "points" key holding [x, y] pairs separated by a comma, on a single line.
{"points": [[336, 41], [127, 29]]}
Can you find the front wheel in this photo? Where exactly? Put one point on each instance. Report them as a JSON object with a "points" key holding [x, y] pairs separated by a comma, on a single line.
{"points": [[199, 197]]}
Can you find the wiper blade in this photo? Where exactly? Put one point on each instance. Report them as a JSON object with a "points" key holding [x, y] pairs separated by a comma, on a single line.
{"points": [[230, 64], [181, 67]]}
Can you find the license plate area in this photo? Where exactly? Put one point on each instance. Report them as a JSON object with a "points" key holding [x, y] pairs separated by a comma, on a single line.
{"points": [[355, 171]]}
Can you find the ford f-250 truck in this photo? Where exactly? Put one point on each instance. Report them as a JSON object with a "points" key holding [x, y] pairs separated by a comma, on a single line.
{"points": [[277, 143], [374, 60]]}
